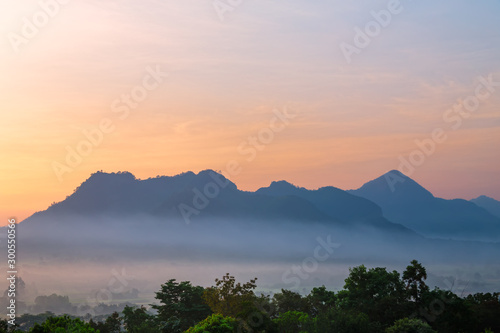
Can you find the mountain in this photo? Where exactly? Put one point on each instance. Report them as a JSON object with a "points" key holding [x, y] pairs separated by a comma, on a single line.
{"points": [[159, 226], [490, 204], [203, 195], [394, 188], [205, 218], [406, 202], [207, 195], [336, 203], [205, 214]]}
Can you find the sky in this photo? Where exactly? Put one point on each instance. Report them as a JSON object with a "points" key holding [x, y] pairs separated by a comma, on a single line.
{"points": [[317, 93]]}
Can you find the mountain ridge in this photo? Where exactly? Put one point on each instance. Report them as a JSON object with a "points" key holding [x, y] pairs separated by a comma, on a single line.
{"points": [[406, 202], [117, 216], [490, 204], [392, 202], [208, 194]]}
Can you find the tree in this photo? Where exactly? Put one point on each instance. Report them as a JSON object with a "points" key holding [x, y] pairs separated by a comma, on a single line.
{"points": [[287, 301], [348, 322], [112, 324], [239, 301], [138, 320], [486, 310], [407, 325], [378, 293], [446, 312], [229, 298], [294, 322], [62, 324], [26, 321], [181, 307], [5, 327], [414, 277], [320, 300], [343, 321], [215, 323], [54, 303]]}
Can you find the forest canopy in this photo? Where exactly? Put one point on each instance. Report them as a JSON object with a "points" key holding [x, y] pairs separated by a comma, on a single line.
{"points": [[372, 300]]}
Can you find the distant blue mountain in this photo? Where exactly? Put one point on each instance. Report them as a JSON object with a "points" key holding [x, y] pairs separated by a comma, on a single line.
{"points": [[406, 202], [116, 215], [121, 194], [336, 203], [490, 204], [390, 203]]}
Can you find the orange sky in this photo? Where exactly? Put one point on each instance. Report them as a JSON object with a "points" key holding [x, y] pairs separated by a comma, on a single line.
{"points": [[226, 79]]}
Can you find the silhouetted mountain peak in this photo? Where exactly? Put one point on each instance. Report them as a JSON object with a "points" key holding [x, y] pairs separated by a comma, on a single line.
{"points": [[483, 197], [282, 183], [393, 185], [404, 201], [490, 204], [397, 173], [123, 193], [335, 202], [112, 176], [209, 176], [102, 179], [282, 186]]}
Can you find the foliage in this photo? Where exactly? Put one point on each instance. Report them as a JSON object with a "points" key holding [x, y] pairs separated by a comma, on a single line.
{"points": [[27, 321], [293, 322], [239, 301], [54, 303], [352, 322], [112, 324], [287, 301], [215, 323], [414, 277], [5, 327], [229, 298], [485, 310], [182, 306], [446, 312], [138, 320], [345, 321], [62, 324], [407, 325], [378, 293], [321, 300], [373, 300]]}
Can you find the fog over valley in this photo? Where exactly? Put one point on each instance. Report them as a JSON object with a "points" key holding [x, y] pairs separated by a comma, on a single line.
{"points": [[125, 235]]}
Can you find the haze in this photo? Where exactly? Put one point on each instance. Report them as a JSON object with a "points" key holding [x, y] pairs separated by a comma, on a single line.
{"points": [[225, 78]]}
